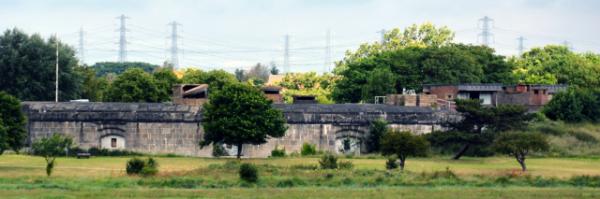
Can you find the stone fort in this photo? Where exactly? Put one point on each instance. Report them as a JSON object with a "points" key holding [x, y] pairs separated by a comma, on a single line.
{"points": [[160, 128]]}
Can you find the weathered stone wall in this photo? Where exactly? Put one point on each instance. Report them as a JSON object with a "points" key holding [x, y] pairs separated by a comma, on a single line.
{"points": [[177, 129]]}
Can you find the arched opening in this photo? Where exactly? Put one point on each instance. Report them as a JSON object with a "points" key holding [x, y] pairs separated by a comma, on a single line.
{"points": [[349, 142]]}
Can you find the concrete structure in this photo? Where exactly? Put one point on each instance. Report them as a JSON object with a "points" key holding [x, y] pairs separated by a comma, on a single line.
{"points": [[273, 93], [531, 96], [172, 128], [190, 94]]}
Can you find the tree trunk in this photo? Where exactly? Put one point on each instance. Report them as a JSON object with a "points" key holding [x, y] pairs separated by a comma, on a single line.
{"points": [[521, 160], [461, 152], [239, 151], [402, 159]]}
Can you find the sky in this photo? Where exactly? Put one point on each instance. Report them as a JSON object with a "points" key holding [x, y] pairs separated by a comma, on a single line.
{"points": [[230, 34]]}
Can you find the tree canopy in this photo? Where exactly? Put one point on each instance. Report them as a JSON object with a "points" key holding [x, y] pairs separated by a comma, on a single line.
{"points": [[308, 84], [50, 147], [12, 123], [116, 68], [520, 144], [216, 79], [574, 105], [239, 114], [134, 85], [27, 67], [403, 144]]}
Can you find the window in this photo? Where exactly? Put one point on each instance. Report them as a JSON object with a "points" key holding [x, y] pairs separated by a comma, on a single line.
{"points": [[535, 92], [449, 96], [113, 142]]}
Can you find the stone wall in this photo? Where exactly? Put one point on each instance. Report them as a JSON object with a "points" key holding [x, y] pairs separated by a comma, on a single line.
{"points": [[165, 128]]}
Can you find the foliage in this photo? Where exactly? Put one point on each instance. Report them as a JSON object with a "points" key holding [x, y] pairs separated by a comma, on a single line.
{"points": [[308, 84], [308, 149], [117, 68], [93, 87], [134, 85], [12, 123], [248, 172], [554, 64], [376, 130], [403, 144], [94, 151], [239, 114], [138, 166], [28, 67], [391, 163], [219, 150], [411, 67], [574, 105], [328, 161], [50, 147], [216, 79], [345, 165], [278, 152], [165, 79], [519, 144]]}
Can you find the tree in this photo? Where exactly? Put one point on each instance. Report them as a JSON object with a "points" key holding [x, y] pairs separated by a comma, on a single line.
{"points": [[240, 74], [165, 78], [519, 144], [477, 118], [216, 79], [378, 84], [27, 67], [239, 114], [12, 123], [259, 71], [105, 68], [50, 148], [308, 84], [376, 130], [574, 105], [93, 87], [134, 85], [403, 144]]}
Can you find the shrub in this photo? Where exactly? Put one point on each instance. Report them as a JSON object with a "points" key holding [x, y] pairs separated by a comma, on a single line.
{"points": [[144, 168], [232, 164], [328, 161], [94, 151], [308, 149], [574, 105], [583, 137], [376, 130], [134, 166], [219, 150], [248, 172], [391, 163], [278, 152], [345, 165], [304, 167]]}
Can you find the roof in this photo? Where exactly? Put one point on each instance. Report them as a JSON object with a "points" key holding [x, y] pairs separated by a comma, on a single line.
{"points": [[349, 108], [271, 88]]}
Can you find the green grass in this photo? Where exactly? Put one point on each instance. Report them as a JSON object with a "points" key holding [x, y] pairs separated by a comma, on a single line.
{"points": [[23, 176]]}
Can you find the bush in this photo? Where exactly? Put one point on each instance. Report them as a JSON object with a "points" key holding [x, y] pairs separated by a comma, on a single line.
{"points": [[278, 152], [583, 137], [574, 105], [219, 150], [94, 151], [248, 172], [328, 161], [391, 163], [144, 168], [345, 165], [308, 149]]}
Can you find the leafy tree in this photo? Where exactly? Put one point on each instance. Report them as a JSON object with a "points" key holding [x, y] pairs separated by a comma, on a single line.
{"points": [[239, 114], [557, 64], [259, 71], [27, 67], [274, 70], [216, 79], [50, 148], [308, 84], [376, 130], [519, 144], [477, 118], [134, 85], [165, 78], [92, 88], [403, 144], [378, 84], [105, 68], [12, 123], [240, 74], [574, 105]]}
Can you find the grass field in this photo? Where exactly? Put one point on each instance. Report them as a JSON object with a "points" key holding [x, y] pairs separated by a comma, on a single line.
{"points": [[23, 176]]}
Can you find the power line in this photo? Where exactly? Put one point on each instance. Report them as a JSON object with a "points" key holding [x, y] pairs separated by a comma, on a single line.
{"points": [[328, 51], [521, 48], [122, 39], [81, 49], [286, 55], [174, 48]]}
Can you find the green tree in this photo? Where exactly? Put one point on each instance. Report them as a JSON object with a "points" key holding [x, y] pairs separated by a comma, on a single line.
{"points": [[165, 78], [239, 114], [27, 67], [134, 85], [105, 68], [216, 79], [520, 144], [479, 123], [403, 144], [574, 105], [378, 84], [12, 123], [376, 130], [308, 84], [93, 87], [50, 148]]}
